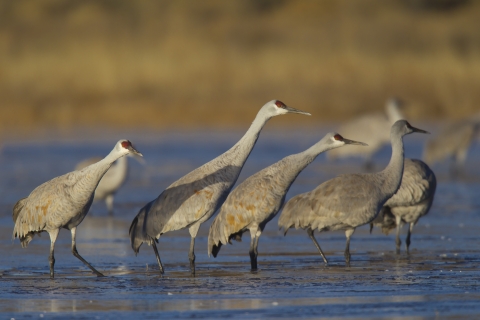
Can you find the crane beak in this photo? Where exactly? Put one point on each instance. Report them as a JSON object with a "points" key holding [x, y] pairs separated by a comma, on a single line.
{"points": [[293, 110], [348, 141], [134, 151], [419, 130]]}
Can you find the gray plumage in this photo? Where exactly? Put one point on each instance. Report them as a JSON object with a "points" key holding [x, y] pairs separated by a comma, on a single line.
{"points": [[411, 202], [373, 129], [113, 180], [194, 198], [63, 202], [255, 202], [453, 142], [349, 200]]}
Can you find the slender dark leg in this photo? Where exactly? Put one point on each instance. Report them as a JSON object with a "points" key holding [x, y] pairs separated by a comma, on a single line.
{"points": [[193, 230], [160, 265], [253, 251], [310, 234], [51, 258], [348, 234], [76, 254], [255, 246], [398, 242], [407, 241], [191, 256]]}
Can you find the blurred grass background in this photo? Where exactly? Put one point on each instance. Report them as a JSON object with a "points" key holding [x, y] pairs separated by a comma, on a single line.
{"points": [[185, 63]]}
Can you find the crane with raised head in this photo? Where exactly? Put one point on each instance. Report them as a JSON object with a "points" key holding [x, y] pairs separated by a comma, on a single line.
{"points": [[63, 202], [349, 200], [194, 198], [256, 201]]}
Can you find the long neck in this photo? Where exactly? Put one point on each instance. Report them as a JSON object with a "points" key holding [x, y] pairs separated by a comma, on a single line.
{"points": [[392, 174], [122, 165], [238, 154], [92, 174], [290, 167]]}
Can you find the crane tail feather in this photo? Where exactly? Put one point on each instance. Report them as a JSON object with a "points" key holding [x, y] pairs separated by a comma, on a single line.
{"points": [[18, 208], [216, 249], [137, 231]]}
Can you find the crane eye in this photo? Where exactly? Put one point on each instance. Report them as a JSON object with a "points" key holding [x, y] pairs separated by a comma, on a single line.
{"points": [[126, 144], [338, 137], [280, 104]]}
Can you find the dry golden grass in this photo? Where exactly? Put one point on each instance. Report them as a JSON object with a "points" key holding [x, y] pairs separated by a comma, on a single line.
{"points": [[67, 63]]}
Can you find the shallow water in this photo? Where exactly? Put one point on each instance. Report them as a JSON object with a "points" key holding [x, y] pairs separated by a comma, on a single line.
{"points": [[439, 278]]}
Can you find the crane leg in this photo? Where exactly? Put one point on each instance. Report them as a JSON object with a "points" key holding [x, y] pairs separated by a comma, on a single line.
{"points": [[253, 257], [191, 256], [160, 265], [398, 242], [407, 241], [76, 254], [193, 230], [253, 248], [310, 234], [348, 234], [51, 258], [109, 203]]}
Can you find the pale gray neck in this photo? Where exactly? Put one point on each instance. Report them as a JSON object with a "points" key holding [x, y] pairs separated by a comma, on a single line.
{"points": [[238, 154], [290, 167], [122, 164], [392, 174], [91, 175]]}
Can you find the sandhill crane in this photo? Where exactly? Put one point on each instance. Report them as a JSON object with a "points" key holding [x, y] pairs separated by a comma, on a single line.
{"points": [[349, 200], [411, 201], [371, 128], [255, 202], [112, 180], [195, 197], [63, 202], [453, 142]]}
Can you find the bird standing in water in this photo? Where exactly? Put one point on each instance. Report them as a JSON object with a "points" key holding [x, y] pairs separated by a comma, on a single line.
{"points": [[63, 202], [349, 200], [256, 201], [412, 201], [195, 197]]}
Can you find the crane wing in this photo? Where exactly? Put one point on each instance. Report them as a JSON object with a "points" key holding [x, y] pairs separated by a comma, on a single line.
{"points": [[418, 184], [31, 214], [335, 204], [251, 202]]}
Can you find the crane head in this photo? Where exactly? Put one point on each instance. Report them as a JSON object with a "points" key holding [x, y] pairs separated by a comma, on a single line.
{"points": [[126, 147], [335, 140], [402, 127], [339, 139], [277, 107]]}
